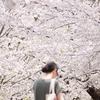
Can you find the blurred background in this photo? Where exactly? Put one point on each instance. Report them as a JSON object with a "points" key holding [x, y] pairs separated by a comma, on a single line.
{"points": [[33, 32]]}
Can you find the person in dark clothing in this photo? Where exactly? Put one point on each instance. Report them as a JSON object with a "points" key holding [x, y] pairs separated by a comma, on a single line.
{"points": [[41, 86]]}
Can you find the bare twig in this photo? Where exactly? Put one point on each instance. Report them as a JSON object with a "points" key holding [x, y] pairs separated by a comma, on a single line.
{"points": [[2, 79], [8, 80], [2, 29], [13, 83], [6, 32], [64, 25]]}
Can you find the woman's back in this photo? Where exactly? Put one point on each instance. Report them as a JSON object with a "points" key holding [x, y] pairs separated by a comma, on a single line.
{"points": [[41, 88]]}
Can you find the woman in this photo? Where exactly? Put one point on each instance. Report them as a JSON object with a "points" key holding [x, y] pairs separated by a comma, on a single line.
{"points": [[42, 85]]}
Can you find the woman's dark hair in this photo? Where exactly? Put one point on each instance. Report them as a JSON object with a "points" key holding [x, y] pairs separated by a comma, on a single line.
{"points": [[49, 67]]}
